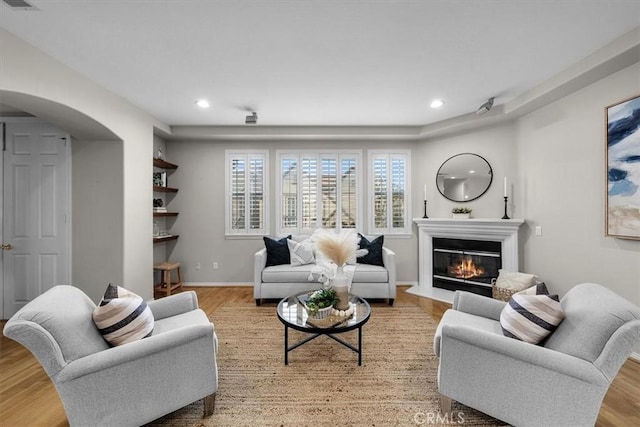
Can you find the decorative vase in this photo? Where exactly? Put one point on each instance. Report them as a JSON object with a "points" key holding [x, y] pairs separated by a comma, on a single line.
{"points": [[341, 286]]}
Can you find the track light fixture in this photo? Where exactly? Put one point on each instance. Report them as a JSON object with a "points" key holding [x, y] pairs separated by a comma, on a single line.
{"points": [[251, 119], [484, 108]]}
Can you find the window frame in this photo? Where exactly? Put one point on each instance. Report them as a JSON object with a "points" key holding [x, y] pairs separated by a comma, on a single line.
{"points": [[389, 155], [319, 156], [246, 155]]}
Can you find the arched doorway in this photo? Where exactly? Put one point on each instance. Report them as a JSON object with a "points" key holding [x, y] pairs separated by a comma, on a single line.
{"points": [[93, 145]]}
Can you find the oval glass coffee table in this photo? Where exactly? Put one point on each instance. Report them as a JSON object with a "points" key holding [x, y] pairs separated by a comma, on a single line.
{"points": [[293, 314]]}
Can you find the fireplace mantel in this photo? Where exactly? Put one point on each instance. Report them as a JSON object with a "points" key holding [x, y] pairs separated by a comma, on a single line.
{"points": [[499, 230]]}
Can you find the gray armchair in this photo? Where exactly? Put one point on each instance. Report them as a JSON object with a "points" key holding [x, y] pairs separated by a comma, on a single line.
{"points": [[128, 385], [560, 382]]}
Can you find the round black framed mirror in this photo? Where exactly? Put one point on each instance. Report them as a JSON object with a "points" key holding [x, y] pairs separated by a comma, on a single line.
{"points": [[464, 177]]}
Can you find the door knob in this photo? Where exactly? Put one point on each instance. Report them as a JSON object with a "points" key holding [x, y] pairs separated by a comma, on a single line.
{"points": [[6, 246]]}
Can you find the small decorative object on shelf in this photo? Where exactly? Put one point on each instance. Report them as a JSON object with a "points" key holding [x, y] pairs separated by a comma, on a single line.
{"points": [[425, 209], [159, 154], [464, 213], [160, 179], [505, 208]]}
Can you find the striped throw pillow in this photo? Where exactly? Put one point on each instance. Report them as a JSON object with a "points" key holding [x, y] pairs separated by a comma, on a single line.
{"points": [[122, 316], [531, 318]]}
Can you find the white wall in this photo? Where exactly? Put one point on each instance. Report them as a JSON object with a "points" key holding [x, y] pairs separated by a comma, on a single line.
{"points": [[200, 201], [539, 162], [28, 74], [496, 144], [561, 187], [97, 212]]}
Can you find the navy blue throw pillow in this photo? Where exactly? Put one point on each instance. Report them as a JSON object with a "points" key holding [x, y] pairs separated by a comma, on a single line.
{"points": [[374, 257], [277, 251]]}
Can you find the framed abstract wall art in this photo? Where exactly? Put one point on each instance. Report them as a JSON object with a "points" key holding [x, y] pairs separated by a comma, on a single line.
{"points": [[623, 169]]}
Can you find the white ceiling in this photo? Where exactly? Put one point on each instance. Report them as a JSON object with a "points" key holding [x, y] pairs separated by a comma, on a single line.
{"points": [[319, 63]]}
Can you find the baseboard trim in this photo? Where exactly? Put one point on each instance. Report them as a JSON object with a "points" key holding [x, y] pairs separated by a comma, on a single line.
{"points": [[635, 356], [215, 284]]}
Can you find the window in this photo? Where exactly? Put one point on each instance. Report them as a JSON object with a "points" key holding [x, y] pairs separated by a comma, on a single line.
{"points": [[317, 190], [247, 199], [389, 207]]}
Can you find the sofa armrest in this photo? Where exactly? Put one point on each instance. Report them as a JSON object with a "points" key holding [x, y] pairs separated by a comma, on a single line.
{"points": [[259, 263], [389, 261], [478, 305], [173, 304]]}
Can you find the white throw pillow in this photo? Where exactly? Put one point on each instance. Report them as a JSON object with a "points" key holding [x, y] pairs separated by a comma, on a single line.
{"points": [[515, 281], [301, 252]]}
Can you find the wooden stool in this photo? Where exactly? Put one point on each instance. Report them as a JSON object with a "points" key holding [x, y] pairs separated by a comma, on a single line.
{"points": [[166, 287]]}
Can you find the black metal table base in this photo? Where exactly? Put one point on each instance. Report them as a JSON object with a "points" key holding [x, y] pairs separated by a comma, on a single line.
{"points": [[287, 349]]}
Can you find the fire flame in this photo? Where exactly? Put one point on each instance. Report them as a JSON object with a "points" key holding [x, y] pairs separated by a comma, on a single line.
{"points": [[466, 269]]}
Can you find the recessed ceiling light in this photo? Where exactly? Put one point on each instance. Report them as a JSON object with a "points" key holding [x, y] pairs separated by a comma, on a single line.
{"points": [[202, 103], [437, 103]]}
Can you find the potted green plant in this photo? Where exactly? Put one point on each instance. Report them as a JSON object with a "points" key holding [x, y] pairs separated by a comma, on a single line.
{"points": [[461, 212], [320, 303]]}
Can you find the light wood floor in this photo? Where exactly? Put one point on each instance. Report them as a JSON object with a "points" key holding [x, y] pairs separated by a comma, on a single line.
{"points": [[28, 398]]}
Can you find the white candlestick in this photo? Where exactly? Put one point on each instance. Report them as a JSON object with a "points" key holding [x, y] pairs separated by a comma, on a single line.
{"points": [[505, 186], [425, 192]]}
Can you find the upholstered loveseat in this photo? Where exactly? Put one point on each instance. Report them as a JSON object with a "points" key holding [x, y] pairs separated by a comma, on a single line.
{"points": [[278, 281]]}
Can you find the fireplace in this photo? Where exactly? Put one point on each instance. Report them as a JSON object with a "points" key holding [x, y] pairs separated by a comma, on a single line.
{"points": [[502, 232], [463, 264]]}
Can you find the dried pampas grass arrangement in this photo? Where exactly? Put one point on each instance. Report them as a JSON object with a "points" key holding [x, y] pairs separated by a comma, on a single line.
{"points": [[340, 247]]}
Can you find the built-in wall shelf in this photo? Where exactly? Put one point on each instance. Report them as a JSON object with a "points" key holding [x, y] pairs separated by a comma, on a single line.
{"points": [[160, 189], [161, 232], [164, 164], [162, 239], [164, 214]]}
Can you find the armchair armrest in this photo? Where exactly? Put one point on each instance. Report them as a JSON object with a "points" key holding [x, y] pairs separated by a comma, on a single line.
{"points": [[530, 354], [478, 305], [173, 305], [138, 351]]}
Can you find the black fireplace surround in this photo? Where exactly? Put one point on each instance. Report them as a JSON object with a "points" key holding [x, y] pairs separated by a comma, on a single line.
{"points": [[469, 265]]}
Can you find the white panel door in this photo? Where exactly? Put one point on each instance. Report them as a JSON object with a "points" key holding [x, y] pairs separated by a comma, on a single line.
{"points": [[36, 212]]}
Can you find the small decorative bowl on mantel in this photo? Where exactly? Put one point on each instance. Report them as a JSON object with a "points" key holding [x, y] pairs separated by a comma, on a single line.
{"points": [[461, 213]]}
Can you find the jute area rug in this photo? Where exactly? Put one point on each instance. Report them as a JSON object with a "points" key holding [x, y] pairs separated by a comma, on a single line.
{"points": [[323, 384]]}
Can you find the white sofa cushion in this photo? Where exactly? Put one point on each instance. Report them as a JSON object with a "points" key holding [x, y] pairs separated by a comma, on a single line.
{"points": [[286, 273], [370, 274]]}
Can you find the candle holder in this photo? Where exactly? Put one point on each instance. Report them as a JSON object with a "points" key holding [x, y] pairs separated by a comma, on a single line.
{"points": [[425, 210], [505, 208]]}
